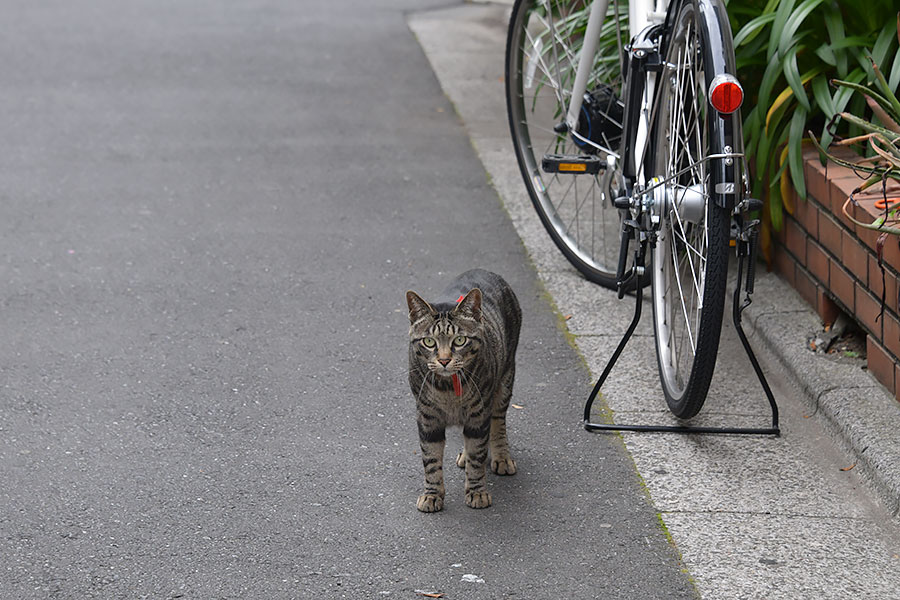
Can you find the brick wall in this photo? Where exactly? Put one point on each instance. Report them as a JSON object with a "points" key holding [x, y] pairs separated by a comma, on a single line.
{"points": [[832, 263]]}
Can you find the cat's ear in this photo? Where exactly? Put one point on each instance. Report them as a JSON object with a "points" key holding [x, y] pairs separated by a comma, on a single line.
{"points": [[470, 305], [418, 308]]}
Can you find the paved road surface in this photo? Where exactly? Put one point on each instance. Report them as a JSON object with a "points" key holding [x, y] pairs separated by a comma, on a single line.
{"points": [[211, 213], [753, 517]]}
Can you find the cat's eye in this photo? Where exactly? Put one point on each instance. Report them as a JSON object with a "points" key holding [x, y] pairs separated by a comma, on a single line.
{"points": [[429, 342], [460, 340]]}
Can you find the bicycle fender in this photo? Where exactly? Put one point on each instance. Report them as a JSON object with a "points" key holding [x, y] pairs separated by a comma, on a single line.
{"points": [[726, 173]]}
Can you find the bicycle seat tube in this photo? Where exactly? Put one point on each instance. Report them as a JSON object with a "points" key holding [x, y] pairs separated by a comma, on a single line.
{"points": [[585, 61]]}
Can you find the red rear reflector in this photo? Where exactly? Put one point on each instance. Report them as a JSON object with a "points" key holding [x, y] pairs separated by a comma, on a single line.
{"points": [[726, 94]]}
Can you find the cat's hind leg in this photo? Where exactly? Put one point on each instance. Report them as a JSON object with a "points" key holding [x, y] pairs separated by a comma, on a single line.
{"points": [[501, 461]]}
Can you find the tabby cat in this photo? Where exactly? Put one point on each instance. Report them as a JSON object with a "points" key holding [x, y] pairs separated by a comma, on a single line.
{"points": [[462, 352]]}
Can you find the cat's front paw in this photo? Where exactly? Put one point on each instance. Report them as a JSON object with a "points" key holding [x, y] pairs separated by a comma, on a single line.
{"points": [[503, 466], [461, 460], [478, 499], [430, 503]]}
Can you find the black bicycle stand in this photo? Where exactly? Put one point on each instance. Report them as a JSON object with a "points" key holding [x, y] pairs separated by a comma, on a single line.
{"points": [[744, 248]]}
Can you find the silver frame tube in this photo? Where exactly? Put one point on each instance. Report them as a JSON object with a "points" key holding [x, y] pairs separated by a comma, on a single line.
{"points": [[586, 60]]}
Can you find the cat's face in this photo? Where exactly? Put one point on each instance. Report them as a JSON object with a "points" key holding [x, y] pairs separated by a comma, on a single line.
{"points": [[445, 342]]}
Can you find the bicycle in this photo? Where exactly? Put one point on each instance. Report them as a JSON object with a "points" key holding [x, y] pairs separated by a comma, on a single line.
{"points": [[637, 147]]}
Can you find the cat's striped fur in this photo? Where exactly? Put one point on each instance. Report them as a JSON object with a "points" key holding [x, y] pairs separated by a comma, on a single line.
{"points": [[476, 338]]}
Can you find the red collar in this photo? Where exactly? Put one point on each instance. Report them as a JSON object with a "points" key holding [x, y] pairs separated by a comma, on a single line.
{"points": [[457, 385]]}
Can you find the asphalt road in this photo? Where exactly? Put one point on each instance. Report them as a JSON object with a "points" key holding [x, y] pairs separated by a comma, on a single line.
{"points": [[210, 215]]}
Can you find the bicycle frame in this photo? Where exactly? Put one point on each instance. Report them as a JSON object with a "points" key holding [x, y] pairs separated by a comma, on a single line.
{"points": [[642, 15]]}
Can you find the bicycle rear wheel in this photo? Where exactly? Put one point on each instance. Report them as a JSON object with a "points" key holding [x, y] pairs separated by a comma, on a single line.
{"points": [[690, 258], [543, 46]]}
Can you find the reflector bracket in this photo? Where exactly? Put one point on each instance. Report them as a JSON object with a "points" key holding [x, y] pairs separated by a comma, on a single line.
{"points": [[725, 93]]}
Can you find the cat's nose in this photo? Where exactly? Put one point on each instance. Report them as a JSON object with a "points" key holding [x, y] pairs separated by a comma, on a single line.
{"points": [[444, 361]]}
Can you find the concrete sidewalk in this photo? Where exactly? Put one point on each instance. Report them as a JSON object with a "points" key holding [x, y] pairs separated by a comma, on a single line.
{"points": [[752, 517]]}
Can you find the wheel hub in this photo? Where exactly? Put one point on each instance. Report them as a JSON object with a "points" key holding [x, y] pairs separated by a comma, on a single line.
{"points": [[688, 202]]}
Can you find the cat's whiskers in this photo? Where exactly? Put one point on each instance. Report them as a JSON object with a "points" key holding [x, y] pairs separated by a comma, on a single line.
{"points": [[422, 387], [468, 376]]}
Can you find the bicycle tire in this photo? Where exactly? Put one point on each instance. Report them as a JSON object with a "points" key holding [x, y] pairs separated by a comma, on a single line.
{"points": [[690, 258], [575, 209]]}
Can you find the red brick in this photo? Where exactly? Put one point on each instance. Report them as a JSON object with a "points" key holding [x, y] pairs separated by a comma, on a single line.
{"points": [[795, 240], [840, 188], [817, 261], [830, 234], [880, 363], [867, 309], [865, 210], [785, 265], [801, 208], [890, 284], [844, 218], [854, 257], [842, 287], [816, 183], [807, 214], [846, 153], [826, 307], [806, 286], [891, 338], [892, 251], [868, 237]]}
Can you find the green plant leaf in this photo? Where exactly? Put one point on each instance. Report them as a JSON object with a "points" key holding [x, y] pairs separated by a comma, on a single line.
{"points": [[772, 73], [752, 128], [843, 94], [753, 28], [826, 53], [781, 16], [834, 24], [792, 74], [894, 79], [774, 189], [882, 115], [857, 106], [894, 107], [891, 155], [765, 147], [870, 127], [856, 41], [826, 104], [786, 36], [795, 151], [783, 166], [776, 208], [883, 43], [778, 108], [822, 96], [881, 100]]}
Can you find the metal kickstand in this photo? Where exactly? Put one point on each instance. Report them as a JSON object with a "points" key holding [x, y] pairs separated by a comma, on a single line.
{"points": [[746, 249]]}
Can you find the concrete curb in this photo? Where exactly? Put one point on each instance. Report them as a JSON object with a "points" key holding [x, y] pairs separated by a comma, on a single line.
{"points": [[859, 413]]}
